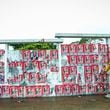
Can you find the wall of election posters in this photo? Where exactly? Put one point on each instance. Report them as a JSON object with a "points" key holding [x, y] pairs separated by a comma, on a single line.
{"points": [[36, 73], [82, 69]]}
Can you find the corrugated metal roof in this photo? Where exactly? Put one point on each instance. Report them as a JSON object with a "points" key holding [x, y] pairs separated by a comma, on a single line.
{"points": [[11, 41], [81, 35]]}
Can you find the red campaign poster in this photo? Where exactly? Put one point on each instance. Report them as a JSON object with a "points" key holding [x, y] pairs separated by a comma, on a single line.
{"points": [[6, 90], [69, 78], [94, 48], [72, 48], [90, 89], [105, 58], [80, 59], [64, 49], [99, 88], [97, 78], [87, 59], [73, 70], [72, 59], [75, 89], [2, 52], [54, 54], [103, 48], [95, 69], [65, 73], [67, 89], [87, 48], [14, 91], [25, 54], [41, 78], [65, 78], [30, 91], [87, 70], [80, 48], [59, 89], [46, 89], [20, 91], [73, 74], [42, 54], [65, 70], [104, 78], [94, 58], [82, 89], [32, 77], [88, 78], [38, 90], [33, 55]]}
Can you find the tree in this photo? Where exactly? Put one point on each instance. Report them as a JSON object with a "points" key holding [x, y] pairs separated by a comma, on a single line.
{"points": [[33, 46], [90, 40]]}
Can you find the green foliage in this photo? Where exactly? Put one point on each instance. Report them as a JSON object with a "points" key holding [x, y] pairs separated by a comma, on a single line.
{"points": [[83, 40], [89, 40], [33, 46]]}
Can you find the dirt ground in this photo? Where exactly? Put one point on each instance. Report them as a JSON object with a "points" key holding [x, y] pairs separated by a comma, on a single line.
{"points": [[95, 102]]}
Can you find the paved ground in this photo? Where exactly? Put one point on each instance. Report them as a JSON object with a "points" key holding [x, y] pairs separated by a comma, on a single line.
{"points": [[58, 103]]}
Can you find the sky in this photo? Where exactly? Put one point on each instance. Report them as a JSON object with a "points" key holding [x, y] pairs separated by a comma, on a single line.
{"points": [[23, 19]]}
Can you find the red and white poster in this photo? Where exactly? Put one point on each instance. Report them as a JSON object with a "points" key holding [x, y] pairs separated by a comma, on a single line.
{"points": [[72, 48], [95, 69], [87, 69], [30, 91], [67, 89], [80, 59], [64, 49], [88, 78], [46, 90], [80, 48], [59, 89], [82, 89], [90, 89], [53, 54], [72, 59], [103, 48], [6, 91], [75, 89]]}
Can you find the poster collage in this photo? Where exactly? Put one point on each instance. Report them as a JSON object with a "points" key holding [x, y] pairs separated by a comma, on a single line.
{"points": [[36, 73]]}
